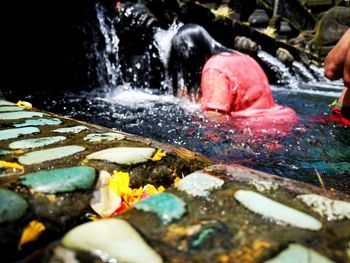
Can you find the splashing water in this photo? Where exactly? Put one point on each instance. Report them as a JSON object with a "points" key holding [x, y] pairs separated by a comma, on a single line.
{"points": [[303, 72], [314, 143], [109, 73], [162, 41], [285, 77]]}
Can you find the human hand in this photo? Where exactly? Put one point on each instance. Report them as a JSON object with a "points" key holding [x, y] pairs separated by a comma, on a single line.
{"points": [[337, 62]]}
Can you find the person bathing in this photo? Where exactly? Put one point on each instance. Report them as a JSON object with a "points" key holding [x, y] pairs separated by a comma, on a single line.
{"points": [[221, 79]]}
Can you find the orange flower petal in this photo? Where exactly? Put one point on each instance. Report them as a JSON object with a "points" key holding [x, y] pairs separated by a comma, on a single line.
{"points": [[31, 232]]}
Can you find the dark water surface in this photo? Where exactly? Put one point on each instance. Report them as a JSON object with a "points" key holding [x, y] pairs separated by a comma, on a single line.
{"points": [[313, 146]]}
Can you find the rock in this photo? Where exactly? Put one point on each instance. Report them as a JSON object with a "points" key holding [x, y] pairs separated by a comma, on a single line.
{"points": [[258, 18], [326, 207], [123, 155], [266, 207], [168, 207], [12, 206], [15, 133], [10, 108], [74, 129], [300, 254], [112, 238], [284, 56], [330, 27], [264, 186], [6, 103], [245, 45], [20, 115], [299, 41], [199, 184], [108, 136], [49, 154], [35, 143], [61, 180], [284, 28], [4, 152], [38, 122]]}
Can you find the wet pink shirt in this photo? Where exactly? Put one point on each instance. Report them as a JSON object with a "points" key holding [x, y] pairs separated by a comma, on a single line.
{"points": [[246, 91]]}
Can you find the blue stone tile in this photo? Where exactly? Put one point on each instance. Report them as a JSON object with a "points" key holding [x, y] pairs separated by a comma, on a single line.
{"points": [[61, 180], [10, 108], [12, 205], [199, 184], [74, 129], [20, 115], [6, 103], [4, 152], [36, 142], [168, 207], [15, 133], [38, 122], [49, 154]]}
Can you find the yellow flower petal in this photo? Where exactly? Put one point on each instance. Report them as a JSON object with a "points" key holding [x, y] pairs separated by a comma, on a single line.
{"points": [[92, 217], [134, 196], [11, 165], [120, 183], [159, 155], [161, 189], [25, 104], [150, 189], [270, 31], [31, 232], [176, 180]]}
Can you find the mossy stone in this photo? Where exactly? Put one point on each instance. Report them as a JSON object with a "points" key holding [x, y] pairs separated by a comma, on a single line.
{"points": [[300, 254], [61, 180], [20, 115], [15, 133], [114, 238], [38, 122], [199, 184], [108, 136], [276, 211], [37, 142], [74, 129], [12, 206], [168, 207], [10, 108], [49, 154], [123, 155], [6, 103]]}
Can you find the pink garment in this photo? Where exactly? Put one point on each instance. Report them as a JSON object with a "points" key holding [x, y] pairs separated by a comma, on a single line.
{"points": [[243, 89]]}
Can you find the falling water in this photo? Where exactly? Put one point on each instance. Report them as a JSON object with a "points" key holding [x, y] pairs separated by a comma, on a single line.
{"points": [[108, 68], [162, 41], [315, 142], [284, 76], [303, 72]]}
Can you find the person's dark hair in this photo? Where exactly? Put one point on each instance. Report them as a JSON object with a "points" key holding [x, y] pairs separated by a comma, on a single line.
{"points": [[191, 46]]}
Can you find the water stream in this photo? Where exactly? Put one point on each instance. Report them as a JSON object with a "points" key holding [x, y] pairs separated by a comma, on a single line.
{"points": [[314, 144]]}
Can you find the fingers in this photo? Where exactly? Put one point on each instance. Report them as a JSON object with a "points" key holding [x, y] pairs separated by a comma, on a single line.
{"points": [[346, 73], [333, 66], [337, 57]]}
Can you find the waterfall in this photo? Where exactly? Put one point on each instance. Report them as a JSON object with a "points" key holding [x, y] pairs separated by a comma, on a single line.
{"points": [[108, 67], [284, 76], [303, 72], [162, 41]]}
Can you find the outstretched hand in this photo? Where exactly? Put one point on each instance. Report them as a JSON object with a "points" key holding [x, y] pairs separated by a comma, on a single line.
{"points": [[337, 62]]}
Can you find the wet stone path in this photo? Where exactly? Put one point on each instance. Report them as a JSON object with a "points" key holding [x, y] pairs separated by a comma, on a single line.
{"points": [[75, 192]]}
